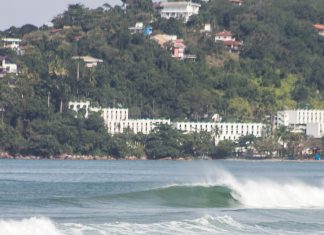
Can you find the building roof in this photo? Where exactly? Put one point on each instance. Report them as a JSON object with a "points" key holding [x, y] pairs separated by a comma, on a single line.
{"points": [[11, 40], [236, 1], [87, 59], [77, 38], [232, 43], [55, 31], [178, 4], [319, 26], [224, 33], [179, 43], [161, 39]]}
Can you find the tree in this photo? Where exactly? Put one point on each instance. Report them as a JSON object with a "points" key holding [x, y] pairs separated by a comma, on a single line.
{"points": [[224, 149], [165, 141]]}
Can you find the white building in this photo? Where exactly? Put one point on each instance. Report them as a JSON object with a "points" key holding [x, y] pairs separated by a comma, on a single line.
{"points": [[144, 126], [138, 28], [11, 43], [233, 131], [315, 130], [7, 68], [302, 120], [117, 119], [299, 117], [179, 10], [223, 131], [77, 106], [236, 2], [89, 61]]}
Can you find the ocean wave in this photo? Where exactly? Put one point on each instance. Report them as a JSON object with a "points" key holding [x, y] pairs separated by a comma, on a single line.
{"points": [[182, 196], [219, 188], [224, 190], [30, 226], [205, 225], [271, 194]]}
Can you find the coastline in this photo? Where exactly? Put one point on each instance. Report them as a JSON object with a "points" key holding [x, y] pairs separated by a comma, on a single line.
{"points": [[75, 157]]}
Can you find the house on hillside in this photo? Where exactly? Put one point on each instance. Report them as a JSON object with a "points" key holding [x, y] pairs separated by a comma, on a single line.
{"points": [[233, 46], [229, 41], [162, 39], [54, 31], [236, 2], [138, 28], [6, 67], [224, 36], [179, 10], [11, 43], [206, 30], [319, 28], [89, 61], [177, 46]]}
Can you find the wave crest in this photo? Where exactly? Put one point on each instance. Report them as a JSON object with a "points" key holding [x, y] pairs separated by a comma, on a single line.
{"points": [[31, 226], [193, 196]]}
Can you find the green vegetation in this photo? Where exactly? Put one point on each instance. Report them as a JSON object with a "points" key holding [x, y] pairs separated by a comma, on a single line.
{"points": [[281, 65]]}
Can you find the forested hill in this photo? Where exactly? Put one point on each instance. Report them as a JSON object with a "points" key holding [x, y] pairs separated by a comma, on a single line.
{"points": [[281, 64]]}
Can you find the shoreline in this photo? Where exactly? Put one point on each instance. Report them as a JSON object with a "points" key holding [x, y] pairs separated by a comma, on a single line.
{"points": [[69, 157]]}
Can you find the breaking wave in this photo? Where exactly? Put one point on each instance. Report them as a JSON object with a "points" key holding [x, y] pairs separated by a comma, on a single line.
{"points": [[268, 193], [205, 225], [185, 196], [31, 226], [225, 190]]}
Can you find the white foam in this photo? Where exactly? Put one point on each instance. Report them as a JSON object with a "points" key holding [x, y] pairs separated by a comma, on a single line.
{"points": [[31, 226], [267, 193], [205, 225]]}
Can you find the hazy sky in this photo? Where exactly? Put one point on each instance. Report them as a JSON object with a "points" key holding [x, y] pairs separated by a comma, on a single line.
{"points": [[38, 12]]}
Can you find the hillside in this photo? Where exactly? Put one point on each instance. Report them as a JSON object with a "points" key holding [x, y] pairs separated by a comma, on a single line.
{"points": [[280, 65]]}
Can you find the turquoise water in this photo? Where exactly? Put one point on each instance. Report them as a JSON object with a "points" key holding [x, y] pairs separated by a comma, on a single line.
{"points": [[161, 197]]}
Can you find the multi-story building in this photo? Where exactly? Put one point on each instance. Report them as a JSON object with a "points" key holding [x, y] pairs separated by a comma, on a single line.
{"points": [[299, 117], [302, 120], [233, 131], [117, 119], [179, 10], [223, 131], [80, 105], [315, 130], [144, 126]]}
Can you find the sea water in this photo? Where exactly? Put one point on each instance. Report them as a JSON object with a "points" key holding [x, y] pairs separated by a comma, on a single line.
{"points": [[161, 197]]}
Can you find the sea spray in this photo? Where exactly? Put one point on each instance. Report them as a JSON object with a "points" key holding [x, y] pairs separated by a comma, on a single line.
{"points": [[266, 193], [206, 225], [31, 226]]}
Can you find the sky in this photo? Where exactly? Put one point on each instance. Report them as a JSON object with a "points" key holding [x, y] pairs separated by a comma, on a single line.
{"points": [[39, 12]]}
